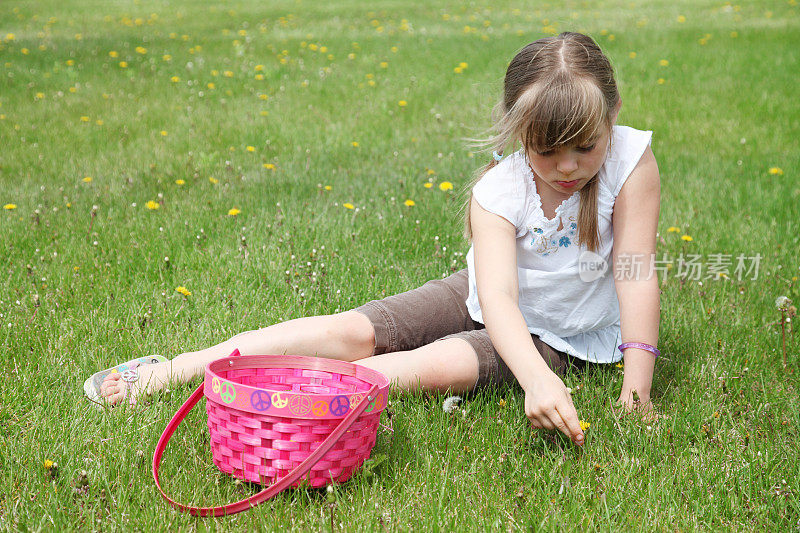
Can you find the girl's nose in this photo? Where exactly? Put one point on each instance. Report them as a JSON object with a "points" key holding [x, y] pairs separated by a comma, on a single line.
{"points": [[567, 165]]}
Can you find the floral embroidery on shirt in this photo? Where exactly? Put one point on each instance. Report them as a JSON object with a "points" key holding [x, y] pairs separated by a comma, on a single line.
{"points": [[564, 241]]}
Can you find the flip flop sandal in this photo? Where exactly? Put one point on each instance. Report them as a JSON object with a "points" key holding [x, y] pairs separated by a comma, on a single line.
{"points": [[91, 387]]}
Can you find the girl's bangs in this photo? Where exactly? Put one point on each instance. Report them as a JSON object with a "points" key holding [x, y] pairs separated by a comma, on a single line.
{"points": [[565, 112]]}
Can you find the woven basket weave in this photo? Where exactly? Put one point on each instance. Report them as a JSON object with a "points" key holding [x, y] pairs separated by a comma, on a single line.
{"points": [[285, 420]]}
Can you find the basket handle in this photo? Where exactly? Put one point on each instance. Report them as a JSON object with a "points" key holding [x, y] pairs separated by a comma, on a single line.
{"points": [[242, 505]]}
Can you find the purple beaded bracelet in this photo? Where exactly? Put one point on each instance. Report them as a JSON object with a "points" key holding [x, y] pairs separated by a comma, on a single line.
{"points": [[652, 349]]}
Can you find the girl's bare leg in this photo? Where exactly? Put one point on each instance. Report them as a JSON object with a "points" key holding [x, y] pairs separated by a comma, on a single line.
{"points": [[348, 336]]}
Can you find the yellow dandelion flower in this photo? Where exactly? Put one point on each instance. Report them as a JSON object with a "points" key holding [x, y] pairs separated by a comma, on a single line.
{"points": [[402, 103], [734, 34], [681, 19], [428, 185], [687, 238], [258, 68], [371, 83], [354, 144], [259, 77], [180, 182], [462, 65], [10, 36], [323, 49], [327, 187], [10, 207], [673, 229], [84, 119], [632, 55], [502, 402], [269, 166], [384, 64], [73, 89], [99, 122], [87, 179], [409, 203], [663, 63], [70, 62], [113, 54], [263, 113], [39, 96], [213, 180], [430, 171], [174, 79], [313, 47], [661, 81], [251, 148], [183, 290], [152, 205], [211, 86], [166, 57], [163, 133], [141, 50], [48, 464], [351, 55], [263, 96], [619, 365], [584, 425], [446, 186], [228, 74], [348, 205], [123, 64], [215, 73], [776, 171], [458, 70], [233, 212]]}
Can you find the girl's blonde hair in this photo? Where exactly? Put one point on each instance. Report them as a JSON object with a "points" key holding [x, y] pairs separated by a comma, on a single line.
{"points": [[558, 91]]}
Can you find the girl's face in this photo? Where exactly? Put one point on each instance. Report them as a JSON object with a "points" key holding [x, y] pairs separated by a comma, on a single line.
{"points": [[567, 169]]}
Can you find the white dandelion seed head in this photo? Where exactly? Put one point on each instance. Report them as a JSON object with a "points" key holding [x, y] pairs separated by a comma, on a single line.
{"points": [[451, 403], [782, 303]]}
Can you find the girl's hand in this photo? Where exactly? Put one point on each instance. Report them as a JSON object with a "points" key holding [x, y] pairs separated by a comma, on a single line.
{"points": [[548, 405], [636, 404]]}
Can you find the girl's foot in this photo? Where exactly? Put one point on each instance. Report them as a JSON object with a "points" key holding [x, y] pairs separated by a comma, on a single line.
{"points": [[138, 382]]}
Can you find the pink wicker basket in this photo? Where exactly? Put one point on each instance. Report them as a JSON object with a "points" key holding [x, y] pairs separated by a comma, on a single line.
{"points": [[283, 420]]}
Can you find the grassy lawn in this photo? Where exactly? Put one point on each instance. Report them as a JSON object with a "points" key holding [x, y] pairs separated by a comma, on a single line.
{"points": [[262, 155]]}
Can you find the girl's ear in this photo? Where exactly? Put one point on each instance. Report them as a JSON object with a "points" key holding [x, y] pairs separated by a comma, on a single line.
{"points": [[615, 111]]}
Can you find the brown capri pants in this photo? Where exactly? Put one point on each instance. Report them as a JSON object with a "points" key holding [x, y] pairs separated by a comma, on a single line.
{"points": [[438, 311]]}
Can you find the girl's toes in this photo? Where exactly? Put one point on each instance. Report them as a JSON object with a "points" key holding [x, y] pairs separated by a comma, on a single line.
{"points": [[111, 380]]}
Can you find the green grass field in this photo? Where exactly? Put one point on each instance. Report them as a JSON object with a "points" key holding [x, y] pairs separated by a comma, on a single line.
{"points": [[316, 122]]}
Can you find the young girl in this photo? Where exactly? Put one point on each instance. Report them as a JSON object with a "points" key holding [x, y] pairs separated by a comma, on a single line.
{"points": [[526, 308]]}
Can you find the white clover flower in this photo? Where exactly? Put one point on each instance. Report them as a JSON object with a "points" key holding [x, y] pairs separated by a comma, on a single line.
{"points": [[782, 303], [451, 403]]}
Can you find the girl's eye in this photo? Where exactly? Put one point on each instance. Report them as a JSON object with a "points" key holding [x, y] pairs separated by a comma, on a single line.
{"points": [[547, 153], [586, 149]]}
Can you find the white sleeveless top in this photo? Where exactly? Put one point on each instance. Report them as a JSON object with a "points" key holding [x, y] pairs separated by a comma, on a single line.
{"points": [[574, 316]]}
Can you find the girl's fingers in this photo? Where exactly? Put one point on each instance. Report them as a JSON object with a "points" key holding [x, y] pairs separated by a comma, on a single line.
{"points": [[569, 423]]}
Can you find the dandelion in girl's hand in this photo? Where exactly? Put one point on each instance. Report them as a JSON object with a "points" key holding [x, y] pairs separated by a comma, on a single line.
{"points": [[450, 404], [183, 290], [446, 186], [687, 238], [152, 205], [233, 212], [776, 171], [409, 203]]}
